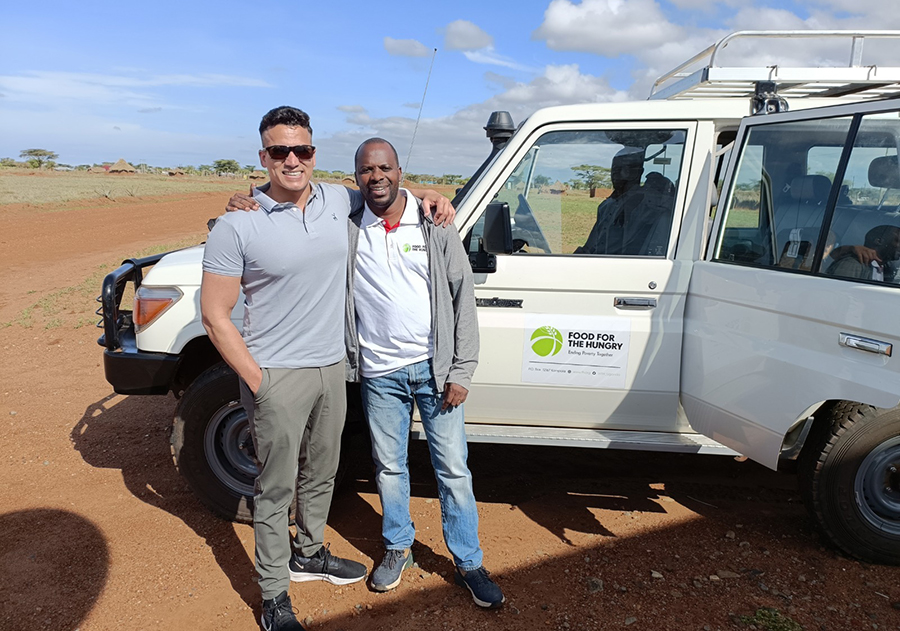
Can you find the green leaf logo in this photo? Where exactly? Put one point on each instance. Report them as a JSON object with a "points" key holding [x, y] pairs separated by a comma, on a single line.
{"points": [[546, 341], [407, 247]]}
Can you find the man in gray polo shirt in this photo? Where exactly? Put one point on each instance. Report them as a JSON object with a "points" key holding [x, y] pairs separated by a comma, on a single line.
{"points": [[290, 259]]}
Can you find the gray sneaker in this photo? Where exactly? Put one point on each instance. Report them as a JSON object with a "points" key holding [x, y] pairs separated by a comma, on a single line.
{"points": [[387, 575]]}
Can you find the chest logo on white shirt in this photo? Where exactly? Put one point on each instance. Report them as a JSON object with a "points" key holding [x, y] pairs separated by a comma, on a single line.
{"points": [[413, 248]]}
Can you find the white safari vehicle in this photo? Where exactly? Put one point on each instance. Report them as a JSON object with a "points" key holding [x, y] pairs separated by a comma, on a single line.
{"points": [[702, 272]]}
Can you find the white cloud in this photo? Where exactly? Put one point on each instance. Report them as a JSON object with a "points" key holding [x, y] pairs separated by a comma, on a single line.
{"points": [[606, 27], [351, 109], [869, 8], [499, 79], [638, 28], [457, 143], [704, 4], [491, 58], [406, 47], [52, 87], [464, 35]]}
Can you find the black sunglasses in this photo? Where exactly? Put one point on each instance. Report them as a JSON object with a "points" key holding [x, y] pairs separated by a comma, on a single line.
{"points": [[281, 152]]}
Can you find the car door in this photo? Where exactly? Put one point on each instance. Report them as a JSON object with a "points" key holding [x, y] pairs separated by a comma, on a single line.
{"points": [[581, 325], [785, 312]]}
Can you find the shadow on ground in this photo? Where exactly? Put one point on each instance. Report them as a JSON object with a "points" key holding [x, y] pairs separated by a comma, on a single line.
{"points": [[53, 567], [746, 545], [132, 434]]}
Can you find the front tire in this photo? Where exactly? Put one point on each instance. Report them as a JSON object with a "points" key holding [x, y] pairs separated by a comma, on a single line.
{"points": [[212, 447], [850, 481]]}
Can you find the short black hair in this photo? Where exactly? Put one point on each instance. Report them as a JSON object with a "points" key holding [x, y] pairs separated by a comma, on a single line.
{"points": [[374, 141], [879, 235], [285, 115]]}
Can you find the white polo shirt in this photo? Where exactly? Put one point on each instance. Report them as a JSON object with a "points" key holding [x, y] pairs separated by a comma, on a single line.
{"points": [[392, 293]]}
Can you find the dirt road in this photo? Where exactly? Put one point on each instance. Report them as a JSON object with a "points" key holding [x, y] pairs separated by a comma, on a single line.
{"points": [[98, 531]]}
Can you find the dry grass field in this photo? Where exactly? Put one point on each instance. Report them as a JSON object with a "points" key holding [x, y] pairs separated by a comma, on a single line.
{"points": [[39, 188]]}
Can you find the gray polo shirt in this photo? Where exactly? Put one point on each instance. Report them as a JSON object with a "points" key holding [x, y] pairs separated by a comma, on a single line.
{"points": [[293, 268]]}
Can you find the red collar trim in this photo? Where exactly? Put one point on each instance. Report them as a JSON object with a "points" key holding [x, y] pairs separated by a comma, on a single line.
{"points": [[388, 227]]}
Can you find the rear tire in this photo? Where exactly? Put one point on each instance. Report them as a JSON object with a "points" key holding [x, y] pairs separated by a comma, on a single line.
{"points": [[850, 481]]}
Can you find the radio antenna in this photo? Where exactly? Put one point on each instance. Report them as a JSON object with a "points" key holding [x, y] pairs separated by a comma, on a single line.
{"points": [[419, 117]]}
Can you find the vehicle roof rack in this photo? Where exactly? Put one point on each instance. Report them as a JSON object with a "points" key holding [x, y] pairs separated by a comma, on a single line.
{"points": [[854, 81]]}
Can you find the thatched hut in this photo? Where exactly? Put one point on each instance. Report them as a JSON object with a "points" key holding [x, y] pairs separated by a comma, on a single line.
{"points": [[121, 167], [98, 169], [558, 188], [258, 175]]}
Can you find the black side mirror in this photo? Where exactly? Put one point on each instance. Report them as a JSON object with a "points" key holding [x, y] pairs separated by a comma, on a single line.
{"points": [[497, 237]]}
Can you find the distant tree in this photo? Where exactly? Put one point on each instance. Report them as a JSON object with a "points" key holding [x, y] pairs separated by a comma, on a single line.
{"points": [[249, 168], [593, 176], [226, 166], [205, 169], [411, 177], [38, 158], [540, 180], [7, 162]]}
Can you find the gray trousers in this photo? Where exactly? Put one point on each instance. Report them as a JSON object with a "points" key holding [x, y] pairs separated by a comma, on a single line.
{"points": [[296, 420]]}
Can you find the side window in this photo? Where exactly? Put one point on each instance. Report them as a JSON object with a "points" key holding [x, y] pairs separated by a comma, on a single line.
{"points": [[594, 193], [780, 194], [864, 236]]}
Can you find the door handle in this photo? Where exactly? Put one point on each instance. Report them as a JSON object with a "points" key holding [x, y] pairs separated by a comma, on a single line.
{"points": [[866, 344], [635, 304]]}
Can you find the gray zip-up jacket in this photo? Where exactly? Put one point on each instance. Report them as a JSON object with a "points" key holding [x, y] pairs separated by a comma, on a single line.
{"points": [[454, 322]]}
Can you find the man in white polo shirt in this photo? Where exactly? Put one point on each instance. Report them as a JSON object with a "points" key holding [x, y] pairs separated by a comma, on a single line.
{"points": [[412, 302]]}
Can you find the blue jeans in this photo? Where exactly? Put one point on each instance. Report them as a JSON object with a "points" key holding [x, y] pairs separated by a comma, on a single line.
{"points": [[388, 404]]}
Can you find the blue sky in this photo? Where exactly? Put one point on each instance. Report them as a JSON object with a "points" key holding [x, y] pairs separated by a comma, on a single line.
{"points": [[186, 83]]}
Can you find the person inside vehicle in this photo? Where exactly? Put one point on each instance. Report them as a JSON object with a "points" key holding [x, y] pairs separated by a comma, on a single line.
{"points": [[607, 235], [885, 241], [634, 219]]}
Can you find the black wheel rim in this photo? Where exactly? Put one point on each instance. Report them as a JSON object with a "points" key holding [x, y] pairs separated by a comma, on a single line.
{"points": [[229, 449], [877, 487]]}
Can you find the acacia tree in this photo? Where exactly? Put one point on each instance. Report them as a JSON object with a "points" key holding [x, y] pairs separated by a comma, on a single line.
{"points": [[593, 176], [37, 158], [226, 166]]}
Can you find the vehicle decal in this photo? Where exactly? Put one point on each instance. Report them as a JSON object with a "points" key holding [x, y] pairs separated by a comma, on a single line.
{"points": [[585, 351]]}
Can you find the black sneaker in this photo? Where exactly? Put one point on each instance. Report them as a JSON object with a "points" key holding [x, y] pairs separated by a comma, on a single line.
{"points": [[387, 575], [278, 615], [485, 592], [323, 566]]}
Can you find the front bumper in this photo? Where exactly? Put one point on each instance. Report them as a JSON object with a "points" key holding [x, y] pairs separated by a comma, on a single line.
{"points": [[127, 369], [134, 372]]}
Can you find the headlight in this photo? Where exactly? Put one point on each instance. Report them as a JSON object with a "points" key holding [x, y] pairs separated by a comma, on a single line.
{"points": [[152, 302]]}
